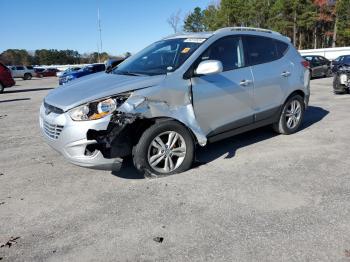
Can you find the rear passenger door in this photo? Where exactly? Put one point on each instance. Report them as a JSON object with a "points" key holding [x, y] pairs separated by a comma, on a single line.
{"points": [[317, 66], [270, 73]]}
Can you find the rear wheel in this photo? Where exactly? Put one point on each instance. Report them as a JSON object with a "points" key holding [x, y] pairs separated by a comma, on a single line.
{"points": [[338, 88], [1, 88], [165, 148], [291, 116], [27, 76]]}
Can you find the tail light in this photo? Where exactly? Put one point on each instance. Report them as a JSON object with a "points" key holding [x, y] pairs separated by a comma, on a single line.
{"points": [[305, 64]]}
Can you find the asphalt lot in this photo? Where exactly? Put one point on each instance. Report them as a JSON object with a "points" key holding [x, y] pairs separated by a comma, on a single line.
{"points": [[254, 197]]}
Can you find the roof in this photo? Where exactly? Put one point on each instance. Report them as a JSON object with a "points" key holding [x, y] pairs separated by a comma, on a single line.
{"points": [[225, 30]]}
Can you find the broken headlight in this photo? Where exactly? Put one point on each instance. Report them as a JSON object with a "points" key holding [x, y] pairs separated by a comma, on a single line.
{"points": [[97, 109]]}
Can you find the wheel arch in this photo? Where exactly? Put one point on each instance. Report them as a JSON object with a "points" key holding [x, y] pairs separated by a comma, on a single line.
{"points": [[142, 124]]}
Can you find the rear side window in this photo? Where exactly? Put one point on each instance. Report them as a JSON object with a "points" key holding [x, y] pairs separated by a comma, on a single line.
{"points": [[281, 47], [228, 51], [260, 50], [30, 67], [19, 67]]}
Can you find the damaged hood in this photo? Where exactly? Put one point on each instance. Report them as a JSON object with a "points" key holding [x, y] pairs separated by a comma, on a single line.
{"points": [[97, 86]]}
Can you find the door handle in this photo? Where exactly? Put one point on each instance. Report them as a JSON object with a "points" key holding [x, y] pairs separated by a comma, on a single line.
{"points": [[286, 74], [245, 82]]}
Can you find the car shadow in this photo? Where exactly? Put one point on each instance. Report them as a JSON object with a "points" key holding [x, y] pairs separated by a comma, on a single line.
{"points": [[27, 90], [14, 100], [229, 146]]}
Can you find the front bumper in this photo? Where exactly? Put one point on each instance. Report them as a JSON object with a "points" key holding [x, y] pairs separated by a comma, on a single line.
{"points": [[68, 137]]}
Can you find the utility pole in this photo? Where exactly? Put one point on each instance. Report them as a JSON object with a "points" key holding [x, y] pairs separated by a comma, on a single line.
{"points": [[100, 32]]}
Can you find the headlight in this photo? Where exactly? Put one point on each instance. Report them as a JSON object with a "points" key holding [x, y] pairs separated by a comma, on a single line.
{"points": [[343, 79], [69, 78], [97, 109]]}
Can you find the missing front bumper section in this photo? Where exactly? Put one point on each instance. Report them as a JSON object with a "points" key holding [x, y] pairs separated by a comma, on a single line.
{"points": [[120, 136]]}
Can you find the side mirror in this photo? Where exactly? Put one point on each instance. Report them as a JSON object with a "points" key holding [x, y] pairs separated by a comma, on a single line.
{"points": [[209, 67]]}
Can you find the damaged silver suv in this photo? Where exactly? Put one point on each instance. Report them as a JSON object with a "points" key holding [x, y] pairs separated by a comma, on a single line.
{"points": [[182, 91]]}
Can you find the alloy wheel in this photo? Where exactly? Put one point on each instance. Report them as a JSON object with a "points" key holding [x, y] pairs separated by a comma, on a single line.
{"points": [[166, 152], [293, 114]]}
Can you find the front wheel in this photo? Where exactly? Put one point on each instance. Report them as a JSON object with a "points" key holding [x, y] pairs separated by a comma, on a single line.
{"points": [[291, 116], [1, 88], [165, 148]]}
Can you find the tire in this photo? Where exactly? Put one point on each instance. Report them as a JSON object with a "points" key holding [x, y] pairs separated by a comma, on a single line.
{"points": [[283, 126], [337, 89], [150, 147], [27, 76], [1, 88], [328, 73]]}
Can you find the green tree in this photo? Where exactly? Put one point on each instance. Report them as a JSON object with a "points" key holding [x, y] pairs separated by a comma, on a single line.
{"points": [[194, 22], [342, 31]]}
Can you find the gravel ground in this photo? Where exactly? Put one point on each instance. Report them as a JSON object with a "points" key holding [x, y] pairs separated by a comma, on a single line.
{"points": [[254, 197]]}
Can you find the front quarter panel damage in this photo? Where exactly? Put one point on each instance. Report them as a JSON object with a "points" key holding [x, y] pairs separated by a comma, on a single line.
{"points": [[138, 112], [158, 102]]}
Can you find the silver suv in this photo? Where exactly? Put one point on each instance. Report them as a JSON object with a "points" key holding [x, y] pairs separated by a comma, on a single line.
{"points": [[25, 72], [182, 91]]}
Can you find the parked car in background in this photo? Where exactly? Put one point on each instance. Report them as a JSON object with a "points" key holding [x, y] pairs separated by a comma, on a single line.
{"points": [[341, 80], [38, 70], [67, 71], [6, 79], [112, 63], [180, 92], [319, 66], [25, 72], [47, 72], [340, 62], [87, 70]]}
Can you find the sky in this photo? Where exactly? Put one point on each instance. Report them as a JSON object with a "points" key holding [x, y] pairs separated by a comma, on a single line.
{"points": [[127, 25]]}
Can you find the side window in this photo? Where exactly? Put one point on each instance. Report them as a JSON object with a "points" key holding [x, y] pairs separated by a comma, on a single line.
{"points": [[281, 48], [316, 61], [20, 68], [228, 50], [260, 49]]}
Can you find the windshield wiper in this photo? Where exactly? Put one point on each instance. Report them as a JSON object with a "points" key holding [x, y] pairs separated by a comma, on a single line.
{"points": [[127, 73]]}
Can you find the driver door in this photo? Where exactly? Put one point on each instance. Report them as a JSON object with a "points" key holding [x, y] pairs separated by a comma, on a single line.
{"points": [[224, 101]]}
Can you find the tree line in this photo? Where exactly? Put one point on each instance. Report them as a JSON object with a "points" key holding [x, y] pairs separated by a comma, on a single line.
{"points": [[309, 23], [52, 57]]}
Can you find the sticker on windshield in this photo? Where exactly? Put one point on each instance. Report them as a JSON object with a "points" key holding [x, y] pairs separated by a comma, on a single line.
{"points": [[185, 50], [195, 40]]}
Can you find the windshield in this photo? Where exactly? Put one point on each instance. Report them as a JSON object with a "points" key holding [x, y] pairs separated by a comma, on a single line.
{"points": [[160, 58]]}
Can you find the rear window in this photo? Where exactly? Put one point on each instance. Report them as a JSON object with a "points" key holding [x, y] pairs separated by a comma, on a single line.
{"points": [[98, 68], [260, 49]]}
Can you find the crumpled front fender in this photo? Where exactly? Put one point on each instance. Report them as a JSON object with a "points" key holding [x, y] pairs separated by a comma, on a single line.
{"points": [[148, 104]]}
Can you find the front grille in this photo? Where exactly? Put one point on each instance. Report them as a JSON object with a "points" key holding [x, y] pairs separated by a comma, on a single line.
{"points": [[51, 130], [53, 109]]}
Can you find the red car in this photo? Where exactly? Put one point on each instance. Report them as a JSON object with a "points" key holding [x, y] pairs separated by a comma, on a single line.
{"points": [[47, 72], [6, 79]]}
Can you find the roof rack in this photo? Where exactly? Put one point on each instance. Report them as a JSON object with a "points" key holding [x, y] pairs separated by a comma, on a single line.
{"points": [[242, 28]]}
